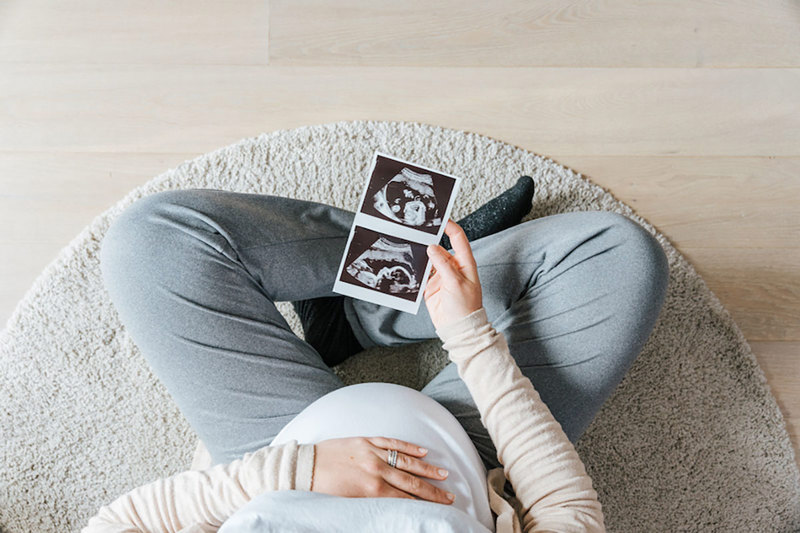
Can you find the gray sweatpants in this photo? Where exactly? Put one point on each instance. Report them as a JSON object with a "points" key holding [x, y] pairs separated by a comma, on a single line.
{"points": [[194, 275]]}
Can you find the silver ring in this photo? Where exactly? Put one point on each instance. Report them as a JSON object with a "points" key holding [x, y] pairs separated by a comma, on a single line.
{"points": [[393, 458]]}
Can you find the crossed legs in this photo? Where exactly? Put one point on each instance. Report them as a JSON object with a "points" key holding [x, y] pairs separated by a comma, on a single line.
{"points": [[194, 275]]}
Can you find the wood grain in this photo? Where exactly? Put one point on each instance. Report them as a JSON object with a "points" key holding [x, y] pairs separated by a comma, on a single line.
{"points": [[144, 108], [697, 200], [49, 197], [521, 33], [760, 287], [203, 32]]}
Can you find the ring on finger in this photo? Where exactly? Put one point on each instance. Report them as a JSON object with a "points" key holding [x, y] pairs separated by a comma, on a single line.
{"points": [[392, 458]]}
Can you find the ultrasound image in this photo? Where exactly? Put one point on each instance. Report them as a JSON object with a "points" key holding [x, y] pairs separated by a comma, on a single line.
{"points": [[383, 263], [408, 198], [386, 266]]}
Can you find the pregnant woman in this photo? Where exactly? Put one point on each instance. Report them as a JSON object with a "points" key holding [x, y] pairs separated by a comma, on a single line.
{"points": [[540, 321]]}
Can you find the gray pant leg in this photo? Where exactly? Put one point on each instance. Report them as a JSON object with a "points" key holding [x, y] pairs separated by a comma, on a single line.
{"points": [[576, 296], [193, 275]]}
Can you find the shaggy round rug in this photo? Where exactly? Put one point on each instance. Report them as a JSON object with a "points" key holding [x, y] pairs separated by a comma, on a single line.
{"points": [[692, 439]]}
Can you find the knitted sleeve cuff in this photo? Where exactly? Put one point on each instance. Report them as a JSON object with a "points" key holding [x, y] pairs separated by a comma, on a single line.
{"points": [[304, 475], [285, 467], [463, 325]]}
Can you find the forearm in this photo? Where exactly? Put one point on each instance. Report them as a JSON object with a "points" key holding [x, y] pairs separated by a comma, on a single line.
{"points": [[548, 477], [203, 500]]}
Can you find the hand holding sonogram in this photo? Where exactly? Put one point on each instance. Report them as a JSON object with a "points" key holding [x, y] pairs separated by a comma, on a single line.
{"points": [[408, 198], [403, 208], [386, 266], [454, 288]]}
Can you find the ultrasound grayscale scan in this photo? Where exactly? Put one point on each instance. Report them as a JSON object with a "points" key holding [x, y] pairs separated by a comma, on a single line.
{"points": [[403, 209], [386, 266], [408, 198]]}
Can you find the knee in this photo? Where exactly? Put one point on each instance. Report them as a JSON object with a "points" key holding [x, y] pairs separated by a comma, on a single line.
{"points": [[641, 258], [133, 236]]}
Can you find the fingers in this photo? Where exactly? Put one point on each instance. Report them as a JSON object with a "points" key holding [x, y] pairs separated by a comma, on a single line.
{"points": [[402, 481], [443, 261], [419, 467], [462, 248], [429, 293], [416, 486], [434, 282], [463, 262], [397, 444], [388, 491]]}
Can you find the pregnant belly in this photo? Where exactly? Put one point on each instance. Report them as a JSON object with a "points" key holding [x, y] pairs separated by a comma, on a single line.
{"points": [[390, 410]]}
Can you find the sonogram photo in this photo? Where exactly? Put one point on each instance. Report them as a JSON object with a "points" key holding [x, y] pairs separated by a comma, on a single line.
{"points": [[386, 264], [403, 209], [408, 195]]}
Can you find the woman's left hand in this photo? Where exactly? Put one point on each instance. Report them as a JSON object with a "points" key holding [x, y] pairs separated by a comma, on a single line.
{"points": [[357, 467]]}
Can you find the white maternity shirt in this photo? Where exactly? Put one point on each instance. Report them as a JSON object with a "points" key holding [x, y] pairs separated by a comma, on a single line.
{"points": [[385, 410]]}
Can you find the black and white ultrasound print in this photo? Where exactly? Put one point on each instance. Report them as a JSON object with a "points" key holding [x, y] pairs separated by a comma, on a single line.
{"points": [[408, 195], [408, 198], [385, 264], [403, 209]]}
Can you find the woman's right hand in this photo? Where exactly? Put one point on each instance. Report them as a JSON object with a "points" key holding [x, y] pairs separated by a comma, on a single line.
{"points": [[357, 467], [453, 290]]}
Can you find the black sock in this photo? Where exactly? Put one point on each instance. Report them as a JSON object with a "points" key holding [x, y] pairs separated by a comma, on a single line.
{"points": [[324, 323], [497, 214]]}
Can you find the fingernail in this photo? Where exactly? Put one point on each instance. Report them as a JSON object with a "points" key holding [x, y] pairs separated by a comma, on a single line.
{"points": [[423, 450], [451, 496], [442, 472]]}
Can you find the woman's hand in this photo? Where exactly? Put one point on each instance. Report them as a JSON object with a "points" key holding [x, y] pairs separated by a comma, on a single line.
{"points": [[357, 467], [453, 289]]}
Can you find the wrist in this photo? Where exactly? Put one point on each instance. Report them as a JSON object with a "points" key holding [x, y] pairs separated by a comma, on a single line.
{"points": [[463, 324], [313, 470], [305, 467]]}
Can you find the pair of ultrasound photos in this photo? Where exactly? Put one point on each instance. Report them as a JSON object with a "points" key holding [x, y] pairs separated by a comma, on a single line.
{"points": [[403, 210]]}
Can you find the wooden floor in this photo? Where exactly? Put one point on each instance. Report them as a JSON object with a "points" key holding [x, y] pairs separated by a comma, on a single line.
{"points": [[687, 110]]}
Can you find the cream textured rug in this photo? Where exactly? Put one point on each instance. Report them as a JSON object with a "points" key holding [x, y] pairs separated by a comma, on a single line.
{"points": [[692, 440]]}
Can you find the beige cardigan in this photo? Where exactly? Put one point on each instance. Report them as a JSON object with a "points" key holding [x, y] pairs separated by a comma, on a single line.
{"points": [[552, 490]]}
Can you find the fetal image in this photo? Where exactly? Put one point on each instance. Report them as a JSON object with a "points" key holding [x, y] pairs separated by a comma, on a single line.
{"points": [[408, 198], [388, 265]]}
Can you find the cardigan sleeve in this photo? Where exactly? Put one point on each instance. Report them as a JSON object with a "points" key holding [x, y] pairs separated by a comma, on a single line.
{"points": [[549, 479], [200, 501]]}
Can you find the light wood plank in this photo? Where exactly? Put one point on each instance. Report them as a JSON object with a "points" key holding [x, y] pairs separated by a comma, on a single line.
{"points": [[134, 31], [781, 364], [51, 197], [708, 202], [521, 33], [552, 111], [760, 287]]}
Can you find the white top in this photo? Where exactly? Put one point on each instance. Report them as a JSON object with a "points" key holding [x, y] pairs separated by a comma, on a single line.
{"points": [[303, 511], [390, 410]]}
